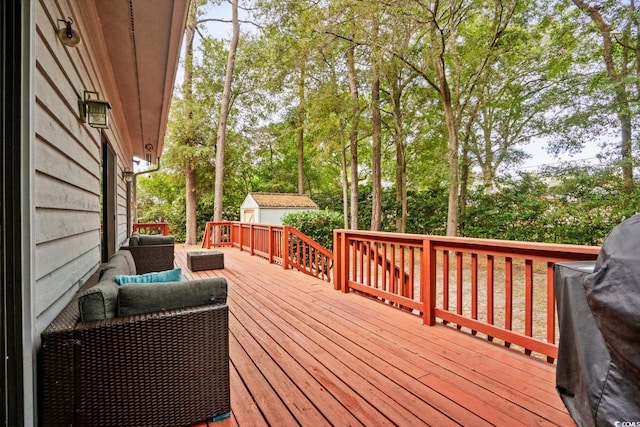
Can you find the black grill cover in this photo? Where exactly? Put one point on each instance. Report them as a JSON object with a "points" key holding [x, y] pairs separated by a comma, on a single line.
{"points": [[598, 370]]}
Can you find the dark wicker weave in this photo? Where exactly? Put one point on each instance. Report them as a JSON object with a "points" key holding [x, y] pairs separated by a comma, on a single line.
{"points": [[150, 258], [205, 260], [167, 368]]}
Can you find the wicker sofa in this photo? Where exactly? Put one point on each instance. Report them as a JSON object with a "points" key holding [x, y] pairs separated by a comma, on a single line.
{"points": [[167, 367], [151, 252]]}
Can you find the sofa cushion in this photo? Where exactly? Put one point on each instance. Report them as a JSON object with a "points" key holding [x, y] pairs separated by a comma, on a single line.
{"points": [[121, 263], [174, 275], [148, 298], [134, 240], [101, 301], [147, 240]]}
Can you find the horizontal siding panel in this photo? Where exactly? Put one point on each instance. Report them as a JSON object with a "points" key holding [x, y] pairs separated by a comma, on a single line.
{"points": [[69, 63], [56, 164], [64, 109], [51, 256], [55, 194], [53, 224], [50, 130], [73, 274], [54, 76]]}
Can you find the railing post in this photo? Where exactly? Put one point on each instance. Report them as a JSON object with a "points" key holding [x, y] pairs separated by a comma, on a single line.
{"points": [[205, 238], [270, 243], [344, 263], [235, 235], [428, 281], [285, 247], [251, 240], [240, 233], [337, 261]]}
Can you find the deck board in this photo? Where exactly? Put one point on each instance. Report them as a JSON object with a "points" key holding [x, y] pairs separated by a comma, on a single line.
{"points": [[302, 353]]}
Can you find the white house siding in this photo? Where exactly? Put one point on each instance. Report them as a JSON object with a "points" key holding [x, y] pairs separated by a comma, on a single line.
{"points": [[68, 155], [250, 205], [274, 215]]}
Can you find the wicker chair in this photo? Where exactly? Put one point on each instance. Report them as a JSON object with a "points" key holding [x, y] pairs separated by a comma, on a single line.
{"points": [[167, 368], [151, 253]]}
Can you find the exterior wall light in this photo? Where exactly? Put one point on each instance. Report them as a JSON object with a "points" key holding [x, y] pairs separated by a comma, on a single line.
{"points": [[127, 175], [95, 111], [148, 148], [67, 35]]}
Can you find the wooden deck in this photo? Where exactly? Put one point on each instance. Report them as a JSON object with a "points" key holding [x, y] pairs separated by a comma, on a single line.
{"points": [[302, 353]]}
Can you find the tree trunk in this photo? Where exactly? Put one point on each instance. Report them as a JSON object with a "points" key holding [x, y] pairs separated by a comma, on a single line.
{"points": [[353, 134], [464, 183], [187, 92], [345, 186], [376, 160], [224, 115], [191, 205], [452, 206], [622, 107], [301, 118], [401, 160], [401, 186], [437, 56]]}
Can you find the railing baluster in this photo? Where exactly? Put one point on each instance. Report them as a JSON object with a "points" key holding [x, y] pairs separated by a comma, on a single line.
{"points": [[392, 271], [508, 295], [528, 297], [445, 280], [412, 266], [376, 266], [401, 276], [551, 304], [490, 291], [385, 271], [459, 291], [370, 261], [474, 288]]}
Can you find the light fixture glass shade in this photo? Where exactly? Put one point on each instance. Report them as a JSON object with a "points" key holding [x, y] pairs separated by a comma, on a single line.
{"points": [[98, 114], [127, 175], [95, 111]]}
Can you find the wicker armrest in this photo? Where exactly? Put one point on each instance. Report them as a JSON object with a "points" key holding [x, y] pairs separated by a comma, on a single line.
{"points": [[163, 369], [150, 258]]}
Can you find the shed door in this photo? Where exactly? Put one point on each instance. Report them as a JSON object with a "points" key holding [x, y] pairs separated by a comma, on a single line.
{"points": [[249, 216]]}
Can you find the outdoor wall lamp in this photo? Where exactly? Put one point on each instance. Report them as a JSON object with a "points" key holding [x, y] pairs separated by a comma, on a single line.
{"points": [[127, 174], [94, 111], [148, 149], [67, 35]]}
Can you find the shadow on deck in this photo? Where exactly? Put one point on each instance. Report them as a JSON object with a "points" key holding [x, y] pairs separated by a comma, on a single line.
{"points": [[304, 354]]}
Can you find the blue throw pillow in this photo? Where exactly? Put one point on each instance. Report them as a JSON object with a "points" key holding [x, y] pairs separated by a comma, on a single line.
{"points": [[174, 275]]}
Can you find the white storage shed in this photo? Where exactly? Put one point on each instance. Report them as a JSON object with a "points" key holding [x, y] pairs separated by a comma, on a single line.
{"points": [[269, 208]]}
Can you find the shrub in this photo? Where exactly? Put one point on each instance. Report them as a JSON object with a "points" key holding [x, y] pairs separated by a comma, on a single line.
{"points": [[318, 225]]}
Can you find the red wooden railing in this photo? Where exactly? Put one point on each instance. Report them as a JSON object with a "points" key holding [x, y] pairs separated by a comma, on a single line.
{"points": [[279, 244], [151, 228], [501, 290]]}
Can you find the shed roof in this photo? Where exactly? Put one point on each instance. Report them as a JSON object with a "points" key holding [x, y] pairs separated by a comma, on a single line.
{"points": [[283, 200]]}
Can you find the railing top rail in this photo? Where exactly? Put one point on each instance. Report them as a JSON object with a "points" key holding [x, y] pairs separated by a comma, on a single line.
{"points": [[446, 242], [244, 224], [315, 245]]}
